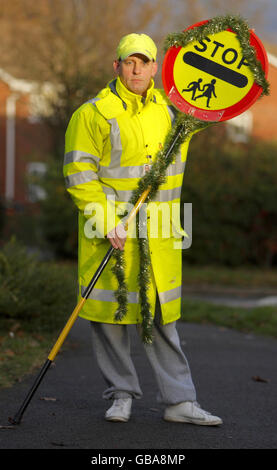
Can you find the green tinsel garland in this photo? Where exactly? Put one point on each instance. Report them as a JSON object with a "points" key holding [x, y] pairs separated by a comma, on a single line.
{"points": [[183, 127]]}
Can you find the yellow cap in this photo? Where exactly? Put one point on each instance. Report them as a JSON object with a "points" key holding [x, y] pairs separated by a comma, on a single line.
{"points": [[136, 44]]}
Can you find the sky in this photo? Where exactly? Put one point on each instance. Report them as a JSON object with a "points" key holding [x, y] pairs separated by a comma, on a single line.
{"points": [[268, 30], [270, 17]]}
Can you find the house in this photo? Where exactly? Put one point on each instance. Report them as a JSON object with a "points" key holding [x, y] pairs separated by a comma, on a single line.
{"points": [[24, 138]]}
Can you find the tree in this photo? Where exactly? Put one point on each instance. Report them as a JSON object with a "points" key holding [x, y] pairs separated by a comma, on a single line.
{"points": [[70, 44]]}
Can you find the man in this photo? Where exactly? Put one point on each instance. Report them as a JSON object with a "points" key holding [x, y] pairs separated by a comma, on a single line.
{"points": [[110, 143]]}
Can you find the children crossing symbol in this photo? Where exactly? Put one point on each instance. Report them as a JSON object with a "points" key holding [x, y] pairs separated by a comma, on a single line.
{"points": [[208, 89], [194, 86]]}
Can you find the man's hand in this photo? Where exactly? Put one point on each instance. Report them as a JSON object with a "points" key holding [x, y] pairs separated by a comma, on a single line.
{"points": [[117, 237]]}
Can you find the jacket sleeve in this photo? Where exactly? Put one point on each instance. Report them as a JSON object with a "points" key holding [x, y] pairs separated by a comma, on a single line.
{"points": [[84, 141]]}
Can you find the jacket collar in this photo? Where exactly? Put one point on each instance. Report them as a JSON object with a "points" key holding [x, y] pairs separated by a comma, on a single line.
{"points": [[131, 102], [116, 99]]}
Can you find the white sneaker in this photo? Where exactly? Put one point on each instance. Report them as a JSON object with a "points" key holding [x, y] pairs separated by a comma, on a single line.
{"points": [[190, 412], [120, 410]]}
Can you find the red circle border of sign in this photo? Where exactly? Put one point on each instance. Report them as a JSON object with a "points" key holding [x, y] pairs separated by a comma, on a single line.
{"points": [[219, 114]]}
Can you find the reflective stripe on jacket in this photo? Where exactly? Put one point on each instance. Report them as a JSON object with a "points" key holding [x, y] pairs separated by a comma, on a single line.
{"points": [[109, 142]]}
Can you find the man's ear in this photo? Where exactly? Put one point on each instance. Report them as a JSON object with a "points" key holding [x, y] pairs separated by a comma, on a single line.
{"points": [[116, 66], [154, 69]]}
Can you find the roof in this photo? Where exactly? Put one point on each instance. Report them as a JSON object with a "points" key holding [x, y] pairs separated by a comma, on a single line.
{"points": [[272, 59], [18, 84]]}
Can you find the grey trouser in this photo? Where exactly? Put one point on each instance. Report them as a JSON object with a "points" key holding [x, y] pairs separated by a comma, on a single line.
{"points": [[112, 348]]}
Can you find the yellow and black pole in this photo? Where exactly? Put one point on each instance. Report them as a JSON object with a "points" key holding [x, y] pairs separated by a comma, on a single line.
{"points": [[54, 351]]}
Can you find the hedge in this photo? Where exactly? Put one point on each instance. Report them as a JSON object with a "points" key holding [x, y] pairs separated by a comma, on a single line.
{"points": [[233, 191], [40, 294]]}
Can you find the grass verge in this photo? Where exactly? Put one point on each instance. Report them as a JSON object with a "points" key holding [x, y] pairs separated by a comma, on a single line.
{"points": [[242, 277], [21, 354], [259, 320]]}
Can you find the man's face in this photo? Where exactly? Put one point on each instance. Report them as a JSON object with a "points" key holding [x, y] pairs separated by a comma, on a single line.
{"points": [[136, 72]]}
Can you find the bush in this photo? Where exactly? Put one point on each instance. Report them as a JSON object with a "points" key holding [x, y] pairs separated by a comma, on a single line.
{"points": [[232, 189], [37, 293], [58, 217]]}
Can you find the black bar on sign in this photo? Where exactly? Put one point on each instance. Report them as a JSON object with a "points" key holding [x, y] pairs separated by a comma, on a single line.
{"points": [[217, 70]]}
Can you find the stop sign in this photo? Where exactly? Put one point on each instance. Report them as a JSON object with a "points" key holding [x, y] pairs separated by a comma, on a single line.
{"points": [[210, 78]]}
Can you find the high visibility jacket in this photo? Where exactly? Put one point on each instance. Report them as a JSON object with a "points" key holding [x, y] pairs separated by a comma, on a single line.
{"points": [[109, 141]]}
